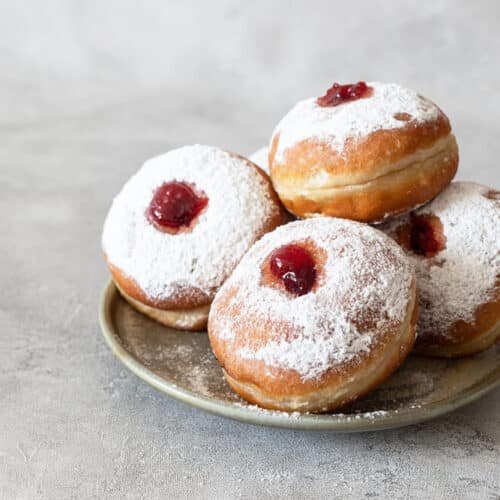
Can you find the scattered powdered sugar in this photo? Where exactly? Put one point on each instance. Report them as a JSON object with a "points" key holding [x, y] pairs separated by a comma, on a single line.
{"points": [[354, 119], [365, 280], [264, 411], [259, 157], [370, 416], [463, 275], [238, 209]]}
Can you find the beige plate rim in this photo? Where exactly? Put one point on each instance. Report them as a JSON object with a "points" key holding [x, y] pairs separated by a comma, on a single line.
{"points": [[335, 422]]}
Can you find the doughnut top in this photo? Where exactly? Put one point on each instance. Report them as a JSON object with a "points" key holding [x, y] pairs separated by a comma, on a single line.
{"points": [[463, 275], [240, 206], [387, 108], [363, 291]]}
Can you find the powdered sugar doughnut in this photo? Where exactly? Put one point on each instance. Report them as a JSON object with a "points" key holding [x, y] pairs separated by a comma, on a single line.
{"points": [[316, 314], [362, 152], [259, 157], [454, 243], [180, 225]]}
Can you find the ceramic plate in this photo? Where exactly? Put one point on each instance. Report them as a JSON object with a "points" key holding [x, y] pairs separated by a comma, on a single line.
{"points": [[182, 365]]}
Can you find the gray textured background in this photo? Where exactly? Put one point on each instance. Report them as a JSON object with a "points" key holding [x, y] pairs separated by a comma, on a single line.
{"points": [[88, 90]]}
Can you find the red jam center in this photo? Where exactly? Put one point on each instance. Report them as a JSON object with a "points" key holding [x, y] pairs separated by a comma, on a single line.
{"points": [[175, 204], [294, 265], [426, 235], [338, 94]]}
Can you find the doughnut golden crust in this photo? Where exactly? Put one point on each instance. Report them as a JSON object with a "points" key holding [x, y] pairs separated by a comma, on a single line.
{"points": [[171, 275], [464, 338], [367, 159], [454, 243], [167, 312], [337, 389], [320, 351]]}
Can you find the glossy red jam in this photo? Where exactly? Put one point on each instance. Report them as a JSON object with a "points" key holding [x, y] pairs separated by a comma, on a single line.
{"points": [[294, 266], [175, 205], [426, 235], [338, 94]]}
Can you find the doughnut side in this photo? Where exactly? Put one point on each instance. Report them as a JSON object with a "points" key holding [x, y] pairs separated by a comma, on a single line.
{"points": [[465, 338], [387, 172], [285, 390], [314, 162], [421, 177], [193, 319], [185, 297]]}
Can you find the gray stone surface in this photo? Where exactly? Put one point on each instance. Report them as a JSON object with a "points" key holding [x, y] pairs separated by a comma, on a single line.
{"points": [[91, 89]]}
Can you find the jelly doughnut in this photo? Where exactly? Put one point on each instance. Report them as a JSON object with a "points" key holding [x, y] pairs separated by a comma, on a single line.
{"points": [[317, 313], [363, 152], [180, 225], [454, 243]]}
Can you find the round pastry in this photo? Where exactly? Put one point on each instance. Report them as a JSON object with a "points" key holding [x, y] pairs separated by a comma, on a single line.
{"points": [[317, 313], [362, 152], [259, 157], [180, 225], [454, 243]]}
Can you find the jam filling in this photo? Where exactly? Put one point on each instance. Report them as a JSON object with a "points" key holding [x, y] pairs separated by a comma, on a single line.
{"points": [[339, 94], [175, 205], [294, 266], [426, 235]]}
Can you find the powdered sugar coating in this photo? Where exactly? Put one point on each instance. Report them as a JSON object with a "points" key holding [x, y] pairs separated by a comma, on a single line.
{"points": [[365, 288], [239, 209], [259, 157], [355, 119], [454, 283]]}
